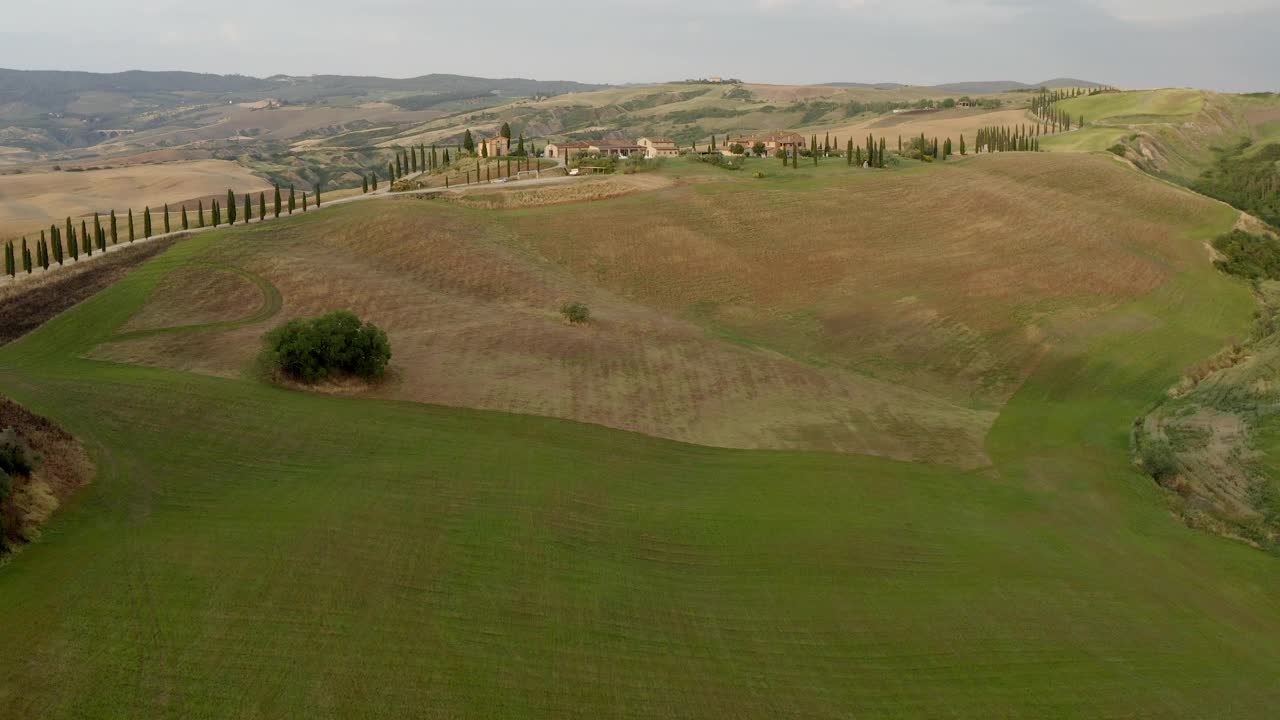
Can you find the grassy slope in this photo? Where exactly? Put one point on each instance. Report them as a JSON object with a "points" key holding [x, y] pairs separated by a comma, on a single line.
{"points": [[815, 308], [1171, 132], [253, 552]]}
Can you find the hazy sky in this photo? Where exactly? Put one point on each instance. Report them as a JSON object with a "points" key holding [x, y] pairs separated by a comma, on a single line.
{"points": [[1224, 44]]}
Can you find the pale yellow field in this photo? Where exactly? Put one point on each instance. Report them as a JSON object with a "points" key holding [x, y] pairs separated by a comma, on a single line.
{"points": [[32, 201], [942, 124]]}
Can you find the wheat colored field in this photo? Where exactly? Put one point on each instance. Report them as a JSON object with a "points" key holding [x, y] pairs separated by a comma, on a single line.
{"points": [[942, 124], [819, 309], [31, 201]]}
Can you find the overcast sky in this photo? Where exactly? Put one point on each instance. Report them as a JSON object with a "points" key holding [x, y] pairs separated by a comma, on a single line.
{"points": [[1223, 44]]}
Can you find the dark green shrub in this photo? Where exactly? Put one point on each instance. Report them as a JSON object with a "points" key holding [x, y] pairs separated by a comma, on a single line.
{"points": [[1251, 182], [575, 312], [1159, 460], [1256, 257], [15, 457], [311, 350], [1117, 149]]}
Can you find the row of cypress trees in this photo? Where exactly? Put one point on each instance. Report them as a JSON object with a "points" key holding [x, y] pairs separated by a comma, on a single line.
{"points": [[1044, 106], [59, 244], [1019, 138], [420, 158]]}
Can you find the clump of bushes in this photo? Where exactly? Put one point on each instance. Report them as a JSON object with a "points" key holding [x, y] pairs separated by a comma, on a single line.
{"points": [[312, 350], [1248, 180], [575, 312], [15, 457], [721, 161], [16, 460], [1159, 460], [1118, 149], [1256, 257]]}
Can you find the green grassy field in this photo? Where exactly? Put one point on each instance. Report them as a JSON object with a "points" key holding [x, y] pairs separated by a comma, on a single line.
{"points": [[252, 552], [1171, 132]]}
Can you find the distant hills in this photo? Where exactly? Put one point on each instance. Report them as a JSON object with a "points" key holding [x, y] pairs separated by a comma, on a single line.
{"points": [[978, 87], [55, 90]]}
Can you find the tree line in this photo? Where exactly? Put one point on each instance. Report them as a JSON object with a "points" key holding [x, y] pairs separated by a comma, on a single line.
{"points": [[1004, 138], [1044, 107], [57, 245]]}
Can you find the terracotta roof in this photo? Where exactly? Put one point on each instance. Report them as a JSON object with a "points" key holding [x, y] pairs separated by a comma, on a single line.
{"points": [[573, 144]]}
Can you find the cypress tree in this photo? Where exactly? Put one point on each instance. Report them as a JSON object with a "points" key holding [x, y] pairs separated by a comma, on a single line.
{"points": [[413, 160], [277, 200], [304, 201], [73, 247], [468, 142], [57, 251], [364, 188], [166, 218], [317, 198], [97, 225], [399, 169], [881, 152], [215, 213], [262, 206], [962, 152], [146, 222], [115, 238], [373, 181], [26, 257], [86, 244], [199, 213], [292, 200], [8, 259], [248, 208], [231, 208], [56, 241], [185, 224], [44, 253]]}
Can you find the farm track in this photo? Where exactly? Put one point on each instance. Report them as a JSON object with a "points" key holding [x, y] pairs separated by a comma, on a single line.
{"points": [[24, 308], [272, 301]]}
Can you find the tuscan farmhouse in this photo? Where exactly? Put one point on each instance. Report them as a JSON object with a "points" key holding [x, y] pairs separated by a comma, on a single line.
{"points": [[656, 147], [566, 149]]}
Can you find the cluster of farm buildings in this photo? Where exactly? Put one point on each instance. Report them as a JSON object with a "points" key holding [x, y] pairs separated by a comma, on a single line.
{"points": [[645, 147]]}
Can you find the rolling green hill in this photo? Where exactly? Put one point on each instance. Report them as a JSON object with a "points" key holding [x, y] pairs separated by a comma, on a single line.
{"points": [[257, 552]]}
